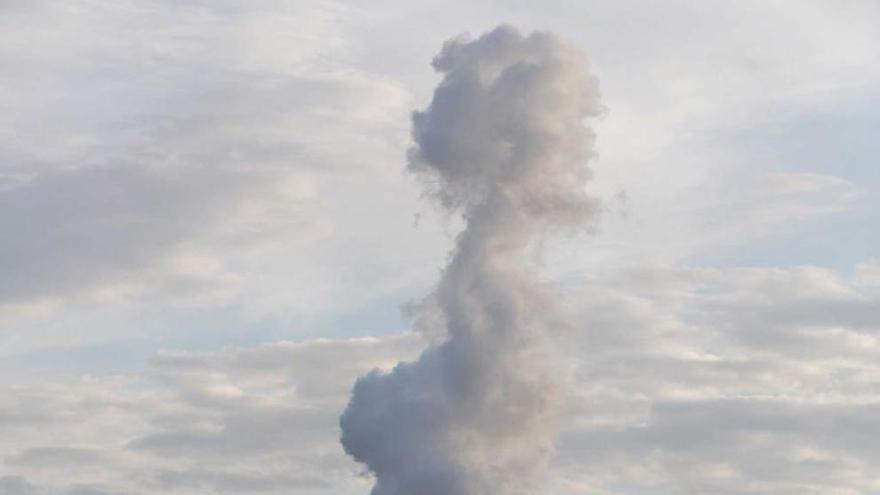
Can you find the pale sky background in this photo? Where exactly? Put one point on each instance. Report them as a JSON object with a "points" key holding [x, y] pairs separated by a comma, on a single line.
{"points": [[208, 233]]}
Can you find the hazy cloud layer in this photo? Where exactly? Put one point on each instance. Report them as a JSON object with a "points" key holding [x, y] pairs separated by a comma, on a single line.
{"points": [[737, 381], [273, 128], [153, 158]]}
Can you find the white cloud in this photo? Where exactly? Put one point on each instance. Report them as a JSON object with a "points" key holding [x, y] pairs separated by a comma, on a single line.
{"points": [[262, 420], [735, 381]]}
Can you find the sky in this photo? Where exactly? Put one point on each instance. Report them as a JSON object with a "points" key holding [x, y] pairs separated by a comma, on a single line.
{"points": [[208, 233]]}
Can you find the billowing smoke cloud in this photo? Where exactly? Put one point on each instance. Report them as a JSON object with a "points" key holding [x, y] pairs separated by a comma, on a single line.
{"points": [[503, 143]]}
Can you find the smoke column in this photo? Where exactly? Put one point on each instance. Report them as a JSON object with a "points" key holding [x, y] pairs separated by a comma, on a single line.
{"points": [[504, 144]]}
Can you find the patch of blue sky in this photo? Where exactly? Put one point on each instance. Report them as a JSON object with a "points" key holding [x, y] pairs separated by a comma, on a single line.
{"points": [[125, 344], [838, 139]]}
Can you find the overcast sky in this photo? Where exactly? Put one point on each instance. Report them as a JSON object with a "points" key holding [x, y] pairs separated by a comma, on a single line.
{"points": [[207, 233]]}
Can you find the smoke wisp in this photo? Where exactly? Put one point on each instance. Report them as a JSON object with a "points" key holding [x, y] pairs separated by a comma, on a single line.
{"points": [[504, 144]]}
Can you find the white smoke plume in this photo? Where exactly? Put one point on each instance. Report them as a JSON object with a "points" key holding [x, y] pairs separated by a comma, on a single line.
{"points": [[504, 143]]}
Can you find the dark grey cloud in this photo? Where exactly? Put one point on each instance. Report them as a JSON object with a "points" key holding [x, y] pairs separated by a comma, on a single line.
{"points": [[55, 457], [16, 485], [78, 229]]}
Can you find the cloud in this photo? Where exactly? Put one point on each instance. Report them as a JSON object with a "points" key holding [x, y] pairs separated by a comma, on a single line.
{"points": [[161, 166], [176, 154], [54, 457], [680, 380], [504, 144], [15, 485], [288, 123], [102, 225], [724, 381], [262, 420]]}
